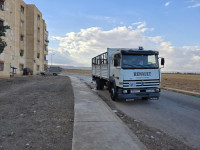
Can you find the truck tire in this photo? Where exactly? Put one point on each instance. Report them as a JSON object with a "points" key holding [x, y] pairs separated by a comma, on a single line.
{"points": [[98, 85], [101, 84], [109, 86], [113, 93]]}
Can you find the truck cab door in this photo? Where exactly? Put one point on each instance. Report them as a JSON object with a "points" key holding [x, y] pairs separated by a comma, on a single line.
{"points": [[115, 68]]}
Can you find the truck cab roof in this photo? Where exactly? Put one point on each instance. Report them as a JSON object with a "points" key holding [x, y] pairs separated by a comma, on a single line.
{"points": [[132, 51], [139, 52]]}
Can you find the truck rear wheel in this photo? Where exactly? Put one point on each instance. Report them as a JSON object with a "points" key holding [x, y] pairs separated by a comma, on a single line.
{"points": [[101, 84], [98, 86]]}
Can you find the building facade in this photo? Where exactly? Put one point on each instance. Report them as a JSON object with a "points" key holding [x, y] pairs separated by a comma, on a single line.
{"points": [[27, 38]]}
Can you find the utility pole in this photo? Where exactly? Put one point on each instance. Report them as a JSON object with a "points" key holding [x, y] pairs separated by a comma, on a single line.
{"points": [[51, 58]]}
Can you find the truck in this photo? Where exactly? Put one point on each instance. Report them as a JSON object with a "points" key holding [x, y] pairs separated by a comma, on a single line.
{"points": [[128, 73], [52, 70]]}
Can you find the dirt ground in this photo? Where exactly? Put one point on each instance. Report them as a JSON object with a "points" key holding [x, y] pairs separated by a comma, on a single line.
{"points": [[36, 113]]}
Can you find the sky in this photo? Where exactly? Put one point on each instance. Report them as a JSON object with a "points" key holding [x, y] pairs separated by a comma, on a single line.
{"points": [[82, 29]]}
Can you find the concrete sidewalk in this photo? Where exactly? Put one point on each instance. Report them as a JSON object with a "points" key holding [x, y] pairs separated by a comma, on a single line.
{"points": [[96, 127]]}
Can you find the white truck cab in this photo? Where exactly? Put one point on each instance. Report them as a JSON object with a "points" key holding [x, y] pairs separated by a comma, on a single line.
{"points": [[129, 73]]}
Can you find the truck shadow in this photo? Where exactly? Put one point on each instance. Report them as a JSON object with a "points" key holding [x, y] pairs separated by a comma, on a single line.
{"points": [[136, 102]]}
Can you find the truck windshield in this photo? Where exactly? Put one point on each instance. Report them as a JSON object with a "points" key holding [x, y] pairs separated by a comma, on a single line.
{"points": [[139, 61]]}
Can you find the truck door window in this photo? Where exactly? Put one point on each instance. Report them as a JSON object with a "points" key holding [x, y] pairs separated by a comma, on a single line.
{"points": [[117, 60]]}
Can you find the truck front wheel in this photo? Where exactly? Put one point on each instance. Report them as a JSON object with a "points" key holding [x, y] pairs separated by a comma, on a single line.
{"points": [[113, 93]]}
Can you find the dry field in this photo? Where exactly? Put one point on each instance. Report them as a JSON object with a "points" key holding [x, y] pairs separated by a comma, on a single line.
{"points": [[75, 71], [178, 81], [182, 81]]}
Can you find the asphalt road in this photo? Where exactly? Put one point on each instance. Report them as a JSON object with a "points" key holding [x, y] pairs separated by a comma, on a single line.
{"points": [[176, 114]]}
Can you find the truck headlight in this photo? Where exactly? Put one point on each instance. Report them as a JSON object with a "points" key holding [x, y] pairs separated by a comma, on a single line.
{"points": [[157, 90], [125, 91]]}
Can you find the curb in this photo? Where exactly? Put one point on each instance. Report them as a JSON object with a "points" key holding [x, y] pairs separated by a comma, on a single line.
{"points": [[182, 91]]}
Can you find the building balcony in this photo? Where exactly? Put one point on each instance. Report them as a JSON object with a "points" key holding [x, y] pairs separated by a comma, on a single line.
{"points": [[22, 30], [39, 48], [21, 45], [46, 33], [38, 23], [38, 36], [46, 36], [45, 52], [22, 17], [46, 62], [46, 40]]}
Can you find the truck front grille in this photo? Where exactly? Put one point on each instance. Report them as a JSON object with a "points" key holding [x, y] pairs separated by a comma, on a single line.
{"points": [[139, 83]]}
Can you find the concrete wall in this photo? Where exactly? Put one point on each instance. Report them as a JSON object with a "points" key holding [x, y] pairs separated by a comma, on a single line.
{"points": [[25, 24]]}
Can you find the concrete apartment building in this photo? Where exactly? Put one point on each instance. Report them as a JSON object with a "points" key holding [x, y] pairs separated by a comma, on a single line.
{"points": [[27, 38]]}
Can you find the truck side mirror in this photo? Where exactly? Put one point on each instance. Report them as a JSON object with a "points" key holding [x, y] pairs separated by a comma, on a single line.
{"points": [[115, 62], [162, 61]]}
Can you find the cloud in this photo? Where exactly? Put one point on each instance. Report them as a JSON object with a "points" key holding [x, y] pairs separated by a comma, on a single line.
{"points": [[77, 48], [141, 25], [195, 3], [167, 3], [136, 23]]}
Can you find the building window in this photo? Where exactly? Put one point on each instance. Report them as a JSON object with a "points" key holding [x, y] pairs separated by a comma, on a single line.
{"points": [[38, 17], [21, 53], [38, 55], [21, 67], [38, 43], [38, 68], [46, 38], [2, 4], [38, 30], [22, 38], [1, 66], [22, 9], [45, 57], [1, 23]]}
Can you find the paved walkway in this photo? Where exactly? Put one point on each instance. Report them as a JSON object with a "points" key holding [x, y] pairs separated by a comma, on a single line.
{"points": [[96, 127]]}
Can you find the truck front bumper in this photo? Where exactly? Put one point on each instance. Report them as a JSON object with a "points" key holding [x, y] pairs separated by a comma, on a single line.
{"points": [[139, 95]]}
